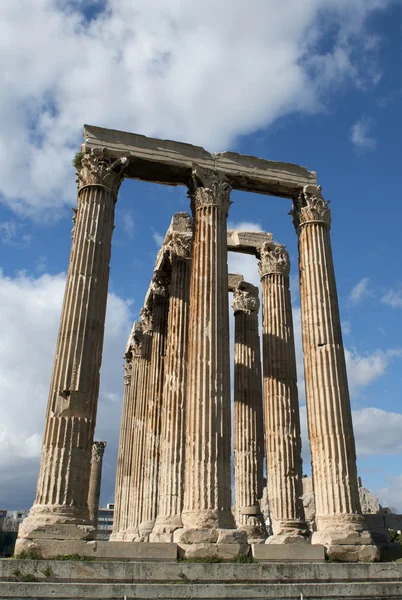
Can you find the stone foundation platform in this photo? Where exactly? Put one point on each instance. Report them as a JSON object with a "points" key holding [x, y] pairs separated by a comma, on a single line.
{"points": [[62, 580]]}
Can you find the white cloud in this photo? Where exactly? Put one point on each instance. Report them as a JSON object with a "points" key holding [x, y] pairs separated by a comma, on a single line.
{"points": [[128, 224], [183, 70], [377, 431], [29, 321], [360, 291], [391, 495], [393, 298], [12, 234], [360, 134], [364, 369], [158, 238], [346, 327]]}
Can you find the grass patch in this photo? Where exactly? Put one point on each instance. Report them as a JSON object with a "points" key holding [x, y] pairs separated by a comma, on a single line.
{"points": [[32, 553], [75, 557], [29, 577]]}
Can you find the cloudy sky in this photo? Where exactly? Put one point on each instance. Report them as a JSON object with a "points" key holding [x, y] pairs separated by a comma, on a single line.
{"points": [[317, 83]]}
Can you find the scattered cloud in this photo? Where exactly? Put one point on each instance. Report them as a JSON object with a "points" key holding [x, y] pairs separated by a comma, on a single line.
{"points": [[128, 224], [158, 238], [364, 369], [361, 136], [360, 291], [29, 321], [393, 298], [12, 234], [162, 64], [377, 431], [391, 495], [346, 327]]}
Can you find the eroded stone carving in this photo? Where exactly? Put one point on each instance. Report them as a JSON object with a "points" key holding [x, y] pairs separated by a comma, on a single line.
{"points": [[97, 168], [207, 188], [98, 450], [245, 298], [310, 206], [274, 258]]}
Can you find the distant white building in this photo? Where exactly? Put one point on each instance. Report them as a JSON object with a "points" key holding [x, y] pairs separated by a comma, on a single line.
{"points": [[105, 522]]}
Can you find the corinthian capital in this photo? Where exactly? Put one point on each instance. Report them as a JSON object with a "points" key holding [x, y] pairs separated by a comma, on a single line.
{"points": [[245, 298], [147, 320], [160, 284], [98, 448], [310, 207], [180, 245], [209, 188], [274, 260], [97, 168]]}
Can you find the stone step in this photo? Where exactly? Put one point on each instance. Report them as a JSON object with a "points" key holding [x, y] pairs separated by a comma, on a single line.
{"points": [[285, 591]]}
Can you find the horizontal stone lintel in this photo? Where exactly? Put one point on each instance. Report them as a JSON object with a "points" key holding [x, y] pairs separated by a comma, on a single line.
{"points": [[171, 163], [248, 242]]}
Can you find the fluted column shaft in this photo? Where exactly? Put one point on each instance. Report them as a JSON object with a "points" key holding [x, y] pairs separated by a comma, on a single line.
{"points": [[62, 491], [124, 461], [160, 286], [95, 480], [328, 405], [207, 494], [248, 425], [138, 431], [174, 392], [282, 420]]}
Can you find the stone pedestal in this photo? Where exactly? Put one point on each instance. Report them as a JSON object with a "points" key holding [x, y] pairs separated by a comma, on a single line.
{"points": [[282, 422], [60, 510], [160, 288], [137, 453], [170, 493], [127, 434], [248, 451], [207, 494], [95, 480], [338, 514]]}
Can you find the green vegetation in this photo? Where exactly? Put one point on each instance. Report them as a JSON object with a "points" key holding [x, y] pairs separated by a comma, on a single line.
{"points": [[77, 160], [32, 553], [47, 571]]}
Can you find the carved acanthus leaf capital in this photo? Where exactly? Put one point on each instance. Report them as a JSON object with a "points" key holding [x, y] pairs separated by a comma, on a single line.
{"points": [[128, 367], [98, 448], [180, 245], [310, 207], [160, 284], [274, 260], [97, 168], [147, 319], [209, 188], [245, 298]]}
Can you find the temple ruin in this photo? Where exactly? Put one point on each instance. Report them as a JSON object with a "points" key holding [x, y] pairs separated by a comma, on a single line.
{"points": [[173, 481]]}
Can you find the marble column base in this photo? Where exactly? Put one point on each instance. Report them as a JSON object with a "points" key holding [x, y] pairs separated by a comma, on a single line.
{"points": [[145, 530], [54, 524], [164, 529], [211, 543], [256, 534]]}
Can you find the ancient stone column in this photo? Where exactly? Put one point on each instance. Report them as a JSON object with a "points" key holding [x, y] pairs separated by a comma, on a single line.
{"points": [[61, 503], [124, 460], [339, 521], [170, 491], [139, 426], [160, 288], [248, 454], [207, 493], [282, 420], [95, 480]]}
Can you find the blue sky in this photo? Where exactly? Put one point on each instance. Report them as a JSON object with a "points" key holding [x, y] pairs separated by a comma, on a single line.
{"points": [[316, 83]]}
